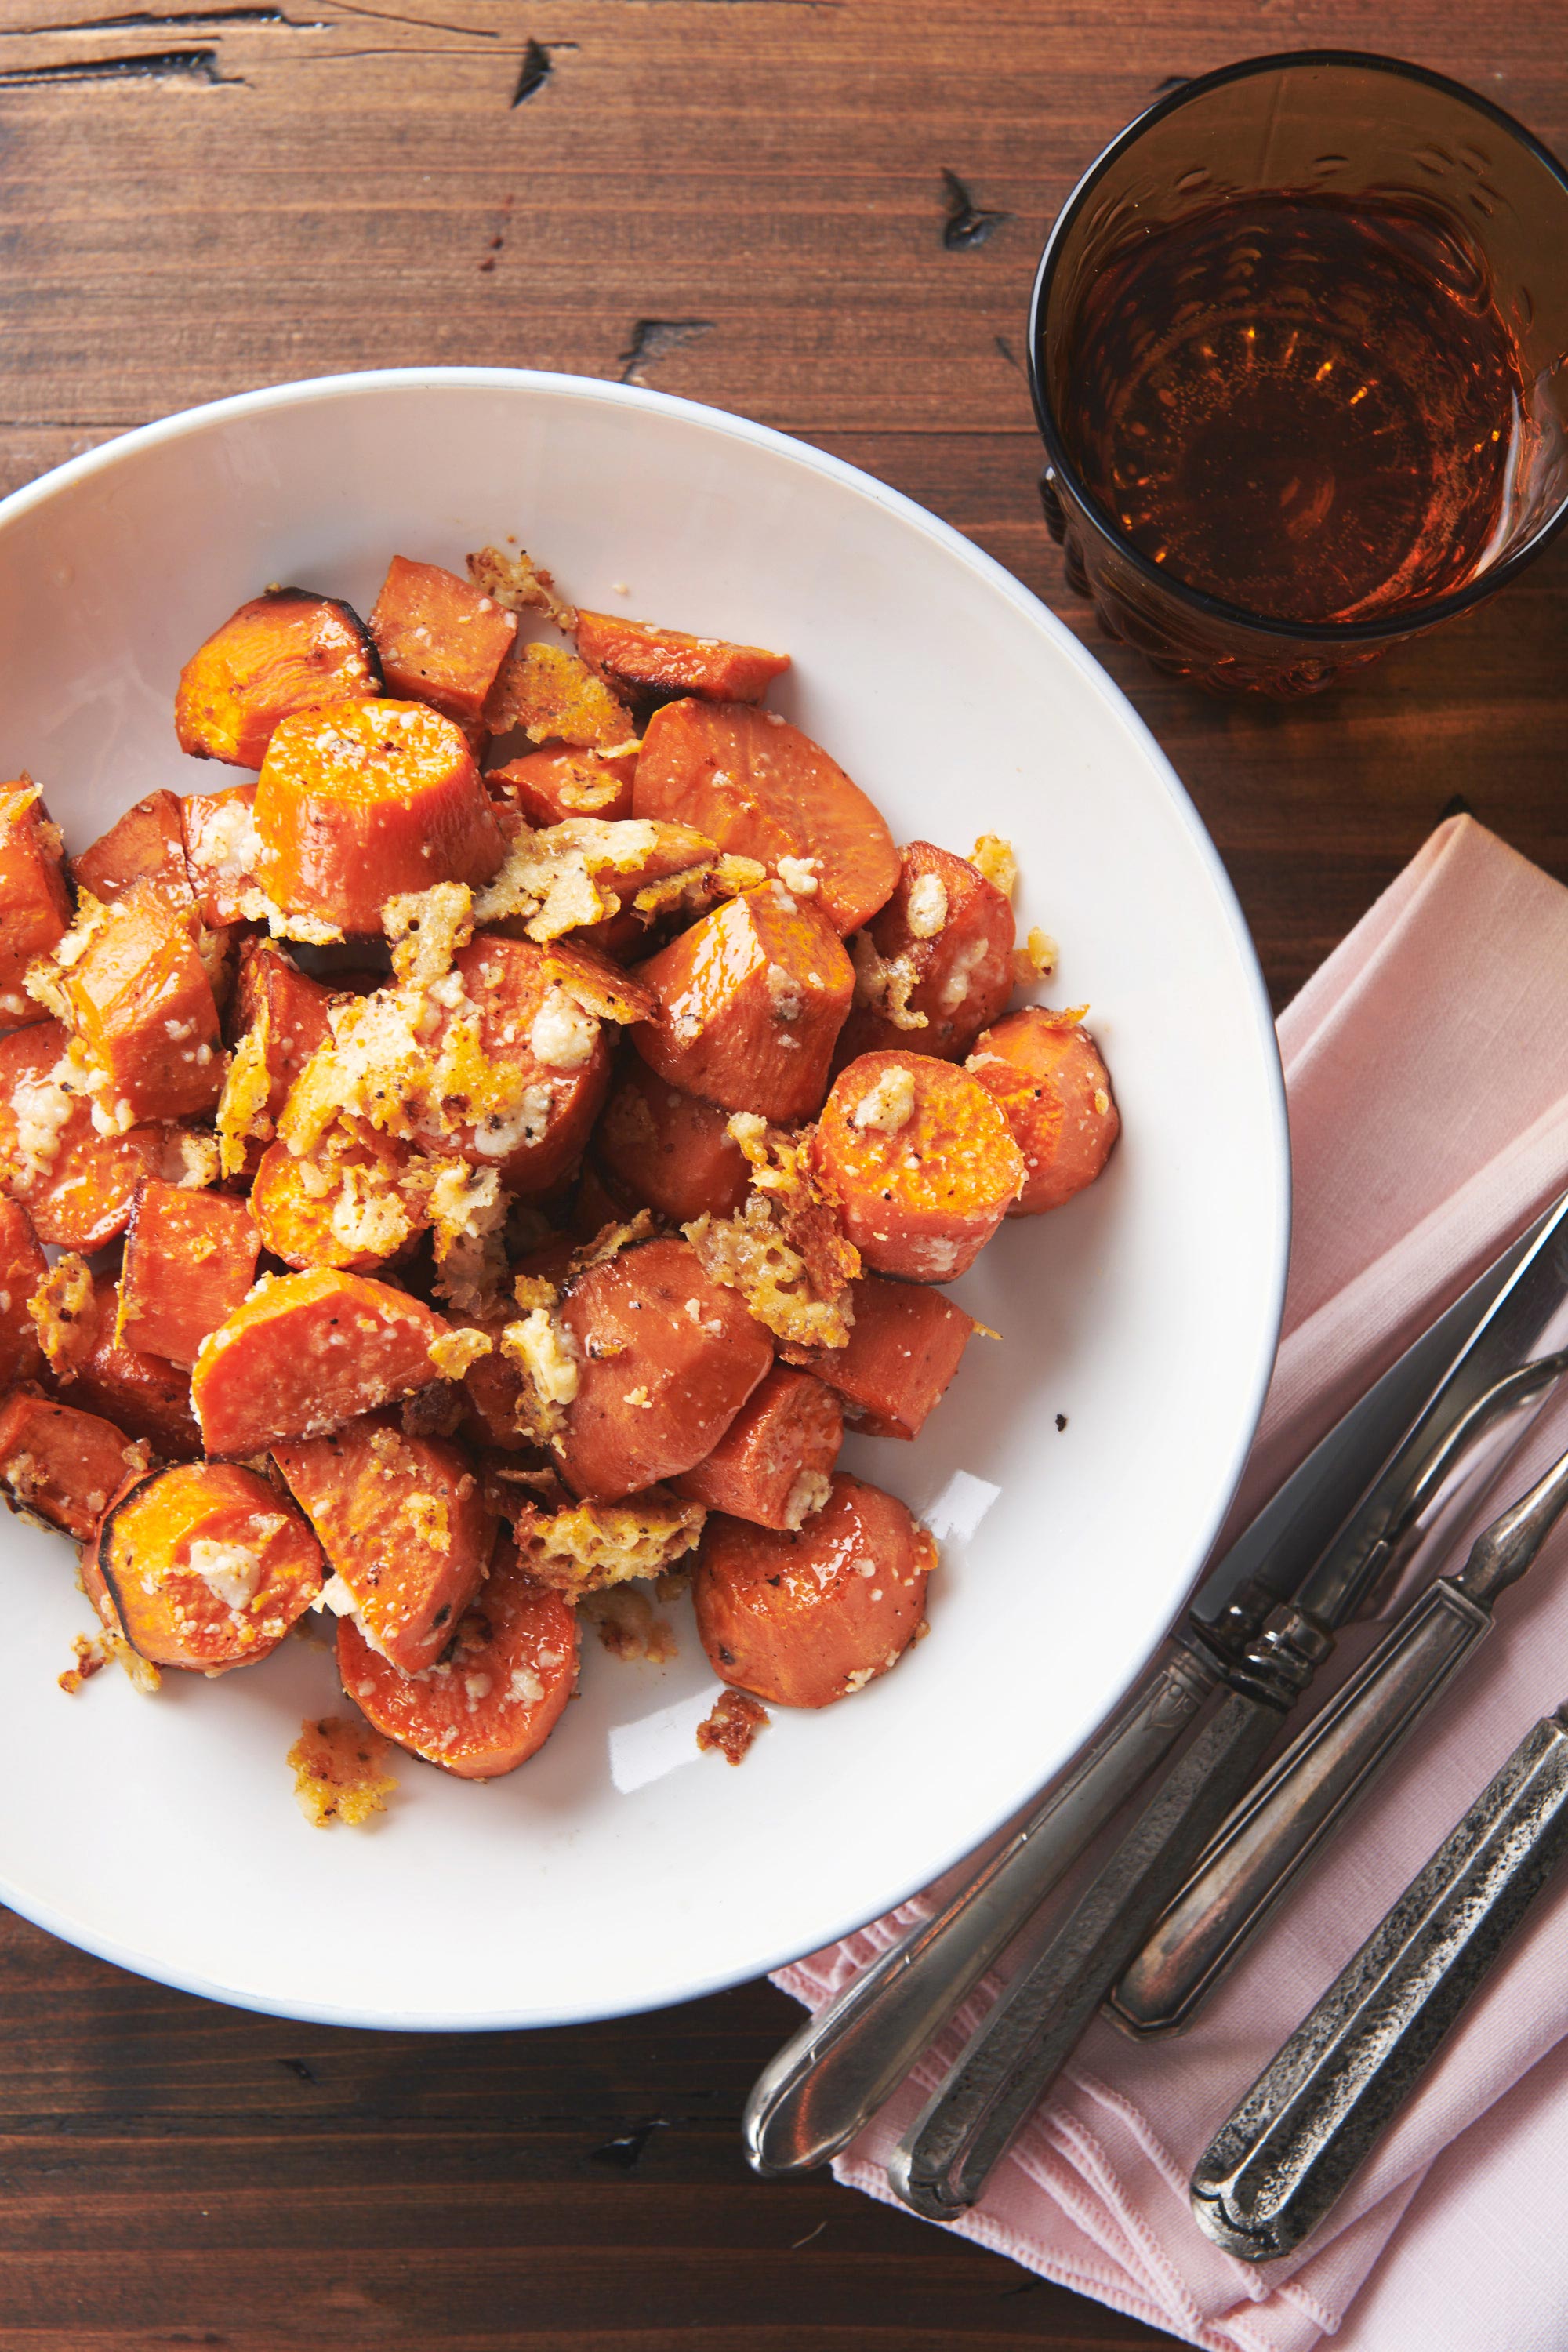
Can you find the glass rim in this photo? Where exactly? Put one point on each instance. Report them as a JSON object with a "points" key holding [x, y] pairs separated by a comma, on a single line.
{"points": [[1419, 614]]}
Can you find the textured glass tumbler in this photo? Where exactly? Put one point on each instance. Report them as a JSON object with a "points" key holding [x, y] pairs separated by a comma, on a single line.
{"points": [[1318, 122]]}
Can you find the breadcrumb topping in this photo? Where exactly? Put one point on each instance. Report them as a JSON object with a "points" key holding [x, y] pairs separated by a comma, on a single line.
{"points": [[338, 1772]]}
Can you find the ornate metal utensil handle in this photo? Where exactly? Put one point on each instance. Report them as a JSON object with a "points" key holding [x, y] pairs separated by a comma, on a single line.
{"points": [[1291, 2149]]}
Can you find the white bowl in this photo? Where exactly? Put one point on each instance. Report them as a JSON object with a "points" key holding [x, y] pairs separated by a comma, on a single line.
{"points": [[621, 1869]]}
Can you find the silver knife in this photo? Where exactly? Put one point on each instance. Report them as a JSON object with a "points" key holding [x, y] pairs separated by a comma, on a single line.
{"points": [[1265, 1656], [847, 2060]]}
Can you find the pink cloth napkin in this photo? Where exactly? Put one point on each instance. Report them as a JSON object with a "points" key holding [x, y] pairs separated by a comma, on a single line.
{"points": [[1427, 1065]]}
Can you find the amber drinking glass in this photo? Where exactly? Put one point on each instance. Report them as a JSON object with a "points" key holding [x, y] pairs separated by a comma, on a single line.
{"points": [[1299, 350]]}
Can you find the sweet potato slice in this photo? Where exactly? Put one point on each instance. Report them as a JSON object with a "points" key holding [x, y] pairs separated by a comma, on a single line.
{"points": [[362, 802], [218, 830], [522, 1067], [307, 1353], [147, 844], [749, 1004], [495, 1701], [283, 652], [772, 1464], [279, 1019], [664, 1359], [76, 1184], [34, 902], [190, 1257], [669, 1151], [801, 1618], [561, 781], [346, 1204], [904, 1347], [21, 1268], [637, 658], [554, 697], [404, 1522], [140, 1392], [207, 1566], [757, 785], [1045, 1072], [936, 964], [142, 1005], [920, 1161], [441, 641], [61, 1463]]}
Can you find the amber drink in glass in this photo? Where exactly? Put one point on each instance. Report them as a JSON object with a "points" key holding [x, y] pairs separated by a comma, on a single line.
{"points": [[1298, 351]]}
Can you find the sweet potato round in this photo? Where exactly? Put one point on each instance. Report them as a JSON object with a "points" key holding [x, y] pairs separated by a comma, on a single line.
{"points": [[749, 1002], [804, 1618], [1054, 1091], [920, 1159], [283, 652], [758, 786], [361, 802], [670, 1151], [304, 1354], [496, 1700], [943, 953], [666, 1360], [206, 1565], [772, 1464], [402, 1521]]}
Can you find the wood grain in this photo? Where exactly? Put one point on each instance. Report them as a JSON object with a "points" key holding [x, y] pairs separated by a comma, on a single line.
{"points": [[824, 213]]}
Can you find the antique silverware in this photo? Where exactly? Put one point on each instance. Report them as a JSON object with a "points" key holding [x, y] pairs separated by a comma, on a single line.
{"points": [[845, 2062], [1310, 1787], [1264, 1657], [1275, 2168]]}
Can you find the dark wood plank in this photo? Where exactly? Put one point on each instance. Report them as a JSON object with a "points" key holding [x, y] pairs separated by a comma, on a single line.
{"points": [[746, 204]]}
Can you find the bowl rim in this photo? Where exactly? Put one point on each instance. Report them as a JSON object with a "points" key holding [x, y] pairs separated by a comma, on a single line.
{"points": [[307, 390], [1322, 635]]}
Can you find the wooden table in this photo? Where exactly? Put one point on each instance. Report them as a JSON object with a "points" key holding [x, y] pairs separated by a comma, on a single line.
{"points": [[824, 213]]}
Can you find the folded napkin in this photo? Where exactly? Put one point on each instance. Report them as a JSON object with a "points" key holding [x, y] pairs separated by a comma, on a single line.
{"points": [[1426, 1066]]}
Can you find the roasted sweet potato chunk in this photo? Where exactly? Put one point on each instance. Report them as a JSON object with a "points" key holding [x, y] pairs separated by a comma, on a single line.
{"points": [[283, 652], [936, 964], [1045, 1072], [346, 1204], [920, 1161], [758, 786], [143, 1008], [61, 1463], [362, 802], [669, 1151], [805, 1618], [142, 1393], [495, 1701], [404, 1523], [218, 830], [772, 1464], [664, 1359], [34, 902], [207, 1566], [440, 640], [146, 845], [190, 1257], [76, 1184], [523, 1066], [749, 1004], [22, 1267], [307, 1353], [637, 658], [561, 781], [904, 1347]]}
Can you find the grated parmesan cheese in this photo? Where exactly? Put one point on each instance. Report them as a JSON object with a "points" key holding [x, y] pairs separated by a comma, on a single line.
{"points": [[563, 1035], [925, 909], [230, 1571], [889, 1104]]}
